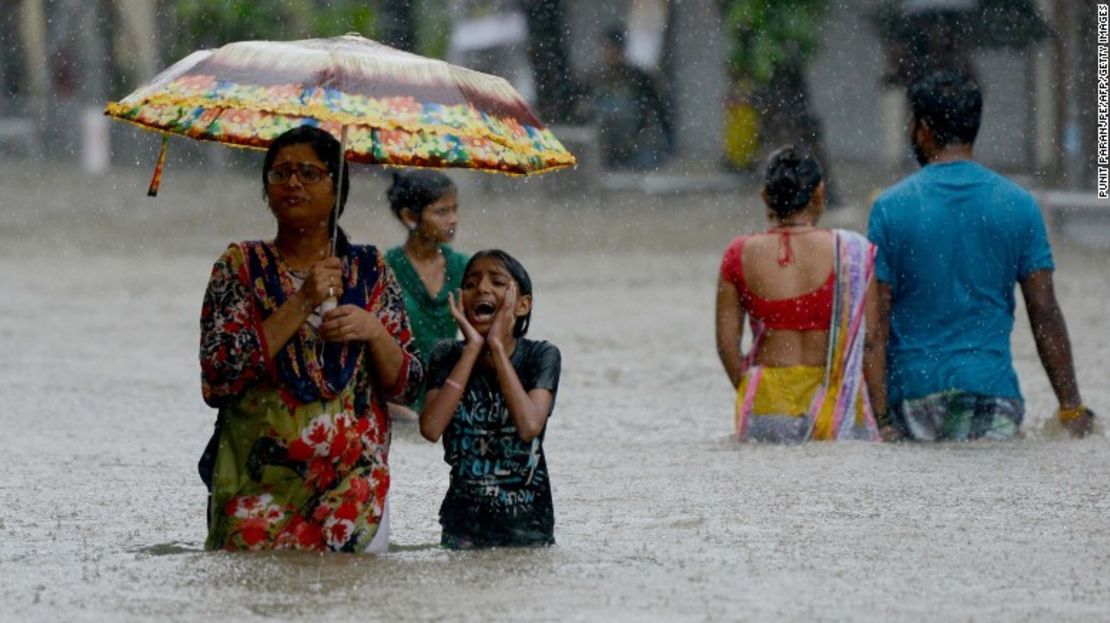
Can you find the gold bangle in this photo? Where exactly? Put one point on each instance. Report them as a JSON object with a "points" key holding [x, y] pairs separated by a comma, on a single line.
{"points": [[1067, 415]]}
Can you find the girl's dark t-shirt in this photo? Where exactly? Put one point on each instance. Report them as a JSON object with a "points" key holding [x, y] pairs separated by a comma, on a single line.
{"points": [[500, 493]]}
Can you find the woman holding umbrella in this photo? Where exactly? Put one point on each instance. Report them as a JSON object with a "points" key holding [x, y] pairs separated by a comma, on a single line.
{"points": [[299, 459]]}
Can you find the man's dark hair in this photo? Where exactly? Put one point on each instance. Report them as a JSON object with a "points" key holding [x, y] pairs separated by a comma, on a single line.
{"points": [[950, 103]]}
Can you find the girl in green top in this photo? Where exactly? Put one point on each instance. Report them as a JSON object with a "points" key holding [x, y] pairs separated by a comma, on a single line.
{"points": [[427, 204]]}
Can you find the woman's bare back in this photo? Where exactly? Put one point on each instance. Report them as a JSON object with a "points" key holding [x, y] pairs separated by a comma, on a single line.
{"points": [[812, 260]]}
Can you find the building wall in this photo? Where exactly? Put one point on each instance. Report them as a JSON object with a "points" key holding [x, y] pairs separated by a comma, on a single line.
{"points": [[861, 118], [844, 84]]}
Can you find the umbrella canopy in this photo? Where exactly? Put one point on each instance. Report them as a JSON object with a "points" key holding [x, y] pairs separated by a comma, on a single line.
{"points": [[393, 107]]}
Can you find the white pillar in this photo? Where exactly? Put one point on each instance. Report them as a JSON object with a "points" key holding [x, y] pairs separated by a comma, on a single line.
{"points": [[1044, 105], [895, 131], [699, 81], [136, 49], [32, 28]]}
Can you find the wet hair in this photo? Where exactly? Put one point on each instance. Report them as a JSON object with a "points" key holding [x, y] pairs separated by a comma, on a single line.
{"points": [[417, 190], [326, 148], [519, 275], [950, 103], [789, 180]]}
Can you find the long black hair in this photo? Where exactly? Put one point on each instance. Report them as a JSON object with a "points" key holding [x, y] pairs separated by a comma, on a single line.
{"points": [[326, 148], [789, 180], [519, 275], [416, 190]]}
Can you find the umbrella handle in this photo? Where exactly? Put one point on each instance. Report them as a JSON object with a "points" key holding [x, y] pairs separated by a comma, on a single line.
{"points": [[156, 180], [331, 302], [339, 187]]}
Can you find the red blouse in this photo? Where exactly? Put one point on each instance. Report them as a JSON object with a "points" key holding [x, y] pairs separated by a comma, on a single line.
{"points": [[811, 311]]}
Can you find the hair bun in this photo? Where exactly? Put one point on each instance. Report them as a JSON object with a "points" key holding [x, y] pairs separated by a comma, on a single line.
{"points": [[790, 179]]}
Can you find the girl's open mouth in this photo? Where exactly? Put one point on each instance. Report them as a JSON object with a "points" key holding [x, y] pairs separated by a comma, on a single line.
{"points": [[484, 310]]}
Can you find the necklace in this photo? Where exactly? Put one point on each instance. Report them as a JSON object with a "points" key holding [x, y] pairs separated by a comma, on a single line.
{"points": [[298, 273], [785, 230]]}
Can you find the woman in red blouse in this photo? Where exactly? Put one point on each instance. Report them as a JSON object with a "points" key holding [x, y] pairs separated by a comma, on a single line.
{"points": [[815, 368]]}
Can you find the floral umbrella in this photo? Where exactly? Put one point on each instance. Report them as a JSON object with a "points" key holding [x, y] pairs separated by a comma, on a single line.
{"points": [[390, 107]]}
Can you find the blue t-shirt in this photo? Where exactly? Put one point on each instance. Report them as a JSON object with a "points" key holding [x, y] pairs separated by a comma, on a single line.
{"points": [[953, 240]]}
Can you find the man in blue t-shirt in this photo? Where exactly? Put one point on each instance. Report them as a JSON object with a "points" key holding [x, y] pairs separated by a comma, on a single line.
{"points": [[953, 240]]}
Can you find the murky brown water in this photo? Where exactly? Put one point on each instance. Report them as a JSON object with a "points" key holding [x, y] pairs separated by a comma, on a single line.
{"points": [[659, 515]]}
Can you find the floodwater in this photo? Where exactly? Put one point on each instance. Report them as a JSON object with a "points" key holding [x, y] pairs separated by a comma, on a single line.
{"points": [[659, 515]]}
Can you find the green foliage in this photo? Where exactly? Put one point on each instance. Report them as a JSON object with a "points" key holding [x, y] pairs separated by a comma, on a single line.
{"points": [[766, 34], [433, 27], [212, 23]]}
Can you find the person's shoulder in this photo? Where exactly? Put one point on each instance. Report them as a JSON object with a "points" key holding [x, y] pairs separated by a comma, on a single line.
{"points": [[540, 363], [238, 257], [900, 190], [895, 204], [1004, 186], [236, 252], [1004, 199], [366, 253], [361, 248], [738, 243], [535, 349], [395, 255]]}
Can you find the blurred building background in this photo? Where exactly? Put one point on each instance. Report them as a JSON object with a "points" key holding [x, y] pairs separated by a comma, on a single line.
{"points": [[737, 76]]}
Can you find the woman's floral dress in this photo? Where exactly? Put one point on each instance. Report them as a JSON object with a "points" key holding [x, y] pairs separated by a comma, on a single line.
{"points": [[303, 438]]}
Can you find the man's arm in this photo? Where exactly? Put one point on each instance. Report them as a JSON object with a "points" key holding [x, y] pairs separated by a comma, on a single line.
{"points": [[874, 359], [1053, 346]]}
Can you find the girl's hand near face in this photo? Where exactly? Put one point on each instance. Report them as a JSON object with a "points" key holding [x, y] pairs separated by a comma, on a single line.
{"points": [[501, 331], [470, 334], [440, 404], [351, 323]]}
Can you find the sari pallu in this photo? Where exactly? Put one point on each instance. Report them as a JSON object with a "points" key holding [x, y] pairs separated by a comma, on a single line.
{"points": [[840, 408]]}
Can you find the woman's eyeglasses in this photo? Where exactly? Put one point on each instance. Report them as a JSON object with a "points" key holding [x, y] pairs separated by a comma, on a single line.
{"points": [[306, 173]]}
